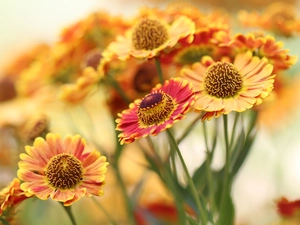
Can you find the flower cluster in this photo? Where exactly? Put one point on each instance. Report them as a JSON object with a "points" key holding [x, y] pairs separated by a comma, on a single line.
{"points": [[145, 85]]}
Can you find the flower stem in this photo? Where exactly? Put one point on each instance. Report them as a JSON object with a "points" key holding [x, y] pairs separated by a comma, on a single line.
{"points": [[190, 181], [70, 214], [189, 128], [127, 200], [209, 155], [119, 89], [159, 70], [234, 129], [226, 183]]}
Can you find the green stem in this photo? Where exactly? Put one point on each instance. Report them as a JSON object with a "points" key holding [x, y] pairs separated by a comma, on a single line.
{"points": [[190, 181], [159, 70], [173, 162], [70, 214], [252, 123], [226, 183], [115, 165], [129, 206], [118, 88], [234, 129], [208, 169], [190, 128]]}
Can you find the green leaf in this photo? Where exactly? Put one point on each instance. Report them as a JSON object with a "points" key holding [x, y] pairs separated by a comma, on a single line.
{"points": [[199, 177], [176, 190], [226, 214], [153, 164], [237, 149], [191, 220], [243, 154], [4, 221]]}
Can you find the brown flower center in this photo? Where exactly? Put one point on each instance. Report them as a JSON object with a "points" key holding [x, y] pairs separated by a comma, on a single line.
{"points": [[7, 89], [155, 108], [64, 171], [37, 127], [145, 77], [223, 80], [149, 34], [282, 15]]}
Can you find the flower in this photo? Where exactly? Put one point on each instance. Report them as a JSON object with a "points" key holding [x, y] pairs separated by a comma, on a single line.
{"points": [[76, 92], [61, 169], [223, 86], [10, 197], [157, 111], [281, 103], [278, 17], [288, 208], [136, 80], [264, 46], [205, 42], [138, 42], [154, 211]]}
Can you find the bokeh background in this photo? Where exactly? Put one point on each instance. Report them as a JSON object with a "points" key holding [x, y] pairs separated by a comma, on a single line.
{"points": [[273, 167]]}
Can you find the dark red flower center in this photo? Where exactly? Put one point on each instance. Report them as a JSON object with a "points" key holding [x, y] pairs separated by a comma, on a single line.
{"points": [[155, 108], [151, 100]]}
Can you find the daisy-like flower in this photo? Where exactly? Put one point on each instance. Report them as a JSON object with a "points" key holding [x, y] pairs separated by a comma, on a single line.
{"points": [[62, 169], [165, 105], [137, 80], [264, 46], [10, 197], [150, 36], [76, 92], [223, 86], [279, 17], [281, 103], [207, 41]]}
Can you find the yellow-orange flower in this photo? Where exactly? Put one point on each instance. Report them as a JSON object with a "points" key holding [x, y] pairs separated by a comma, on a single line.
{"points": [[278, 17], [62, 169], [206, 42], [264, 46], [223, 86], [281, 103], [149, 37], [74, 93], [10, 197]]}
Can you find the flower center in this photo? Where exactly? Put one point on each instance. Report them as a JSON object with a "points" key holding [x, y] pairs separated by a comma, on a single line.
{"points": [[145, 78], [92, 59], [149, 34], [64, 171], [7, 89], [36, 128], [283, 15], [155, 108], [193, 54], [223, 80]]}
